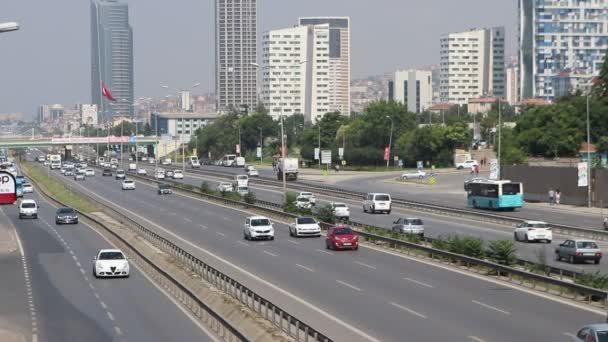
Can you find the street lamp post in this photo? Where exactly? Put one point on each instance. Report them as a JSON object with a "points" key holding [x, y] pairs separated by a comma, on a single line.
{"points": [[390, 142], [499, 137], [588, 157], [261, 146], [319, 156]]}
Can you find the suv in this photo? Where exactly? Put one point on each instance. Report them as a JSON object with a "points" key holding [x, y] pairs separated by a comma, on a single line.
{"points": [[409, 225], [467, 164], [258, 227], [28, 208], [377, 202], [341, 236], [311, 197], [533, 231], [120, 174], [578, 250]]}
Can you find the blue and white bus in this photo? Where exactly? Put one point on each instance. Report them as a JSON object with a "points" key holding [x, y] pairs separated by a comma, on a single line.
{"points": [[498, 195], [19, 180]]}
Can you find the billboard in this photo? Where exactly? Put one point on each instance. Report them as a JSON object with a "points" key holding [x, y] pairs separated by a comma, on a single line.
{"points": [[8, 188], [583, 174], [88, 113]]}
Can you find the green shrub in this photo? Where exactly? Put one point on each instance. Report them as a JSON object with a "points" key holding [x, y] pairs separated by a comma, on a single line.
{"points": [[250, 197], [595, 280], [440, 243], [502, 252], [289, 203], [187, 186], [325, 214], [205, 188]]}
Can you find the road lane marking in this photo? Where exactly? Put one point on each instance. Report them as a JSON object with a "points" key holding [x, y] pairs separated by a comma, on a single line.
{"points": [[306, 268], [491, 307], [110, 316], [322, 251], [348, 285], [203, 226], [294, 242], [242, 243], [187, 219], [271, 254], [118, 331], [220, 233], [365, 265], [569, 334], [476, 339], [415, 313], [419, 283], [103, 305]]}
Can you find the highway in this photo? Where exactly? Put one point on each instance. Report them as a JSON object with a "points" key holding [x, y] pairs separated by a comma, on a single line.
{"points": [[69, 304], [435, 225], [363, 295]]}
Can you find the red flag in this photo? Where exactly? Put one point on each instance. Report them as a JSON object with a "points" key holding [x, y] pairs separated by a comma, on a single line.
{"points": [[106, 92]]}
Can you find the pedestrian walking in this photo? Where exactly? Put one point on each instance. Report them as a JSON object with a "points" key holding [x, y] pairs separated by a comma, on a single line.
{"points": [[472, 170], [558, 196], [337, 168], [476, 170], [551, 196]]}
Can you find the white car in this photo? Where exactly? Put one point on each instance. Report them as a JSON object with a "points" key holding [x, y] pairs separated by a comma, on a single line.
{"points": [[258, 227], [114, 166], [28, 208], [341, 210], [142, 172], [241, 180], [311, 197], [110, 263], [303, 202], [144, 158], [79, 175], [304, 226], [375, 202], [128, 184], [46, 163], [467, 164], [166, 161], [225, 187], [177, 174], [413, 175], [160, 175], [27, 188], [252, 171], [89, 172], [242, 190], [533, 231], [151, 161]]}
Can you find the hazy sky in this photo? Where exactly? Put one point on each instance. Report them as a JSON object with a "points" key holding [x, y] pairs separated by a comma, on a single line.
{"points": [[48, 60]]}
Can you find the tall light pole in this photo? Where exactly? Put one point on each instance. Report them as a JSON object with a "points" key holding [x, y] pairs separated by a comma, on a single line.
{"points": [[319, 156], [156, 152], [499, 137], [588, 157], [261, 146], [390, 142]]}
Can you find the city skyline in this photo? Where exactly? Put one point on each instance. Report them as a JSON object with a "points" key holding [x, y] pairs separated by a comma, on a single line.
{"points": [[183, 52]]}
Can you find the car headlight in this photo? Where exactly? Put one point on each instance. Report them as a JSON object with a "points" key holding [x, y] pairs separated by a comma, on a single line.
{"points": [[125, 266]]}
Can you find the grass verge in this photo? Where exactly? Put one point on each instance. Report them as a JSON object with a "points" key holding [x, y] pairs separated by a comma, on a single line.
{"points": [[56, 189]]}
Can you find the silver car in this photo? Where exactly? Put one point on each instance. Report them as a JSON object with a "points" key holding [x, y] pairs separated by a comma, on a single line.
{"points": [[578, 250], [409, 225], [592, 332]]}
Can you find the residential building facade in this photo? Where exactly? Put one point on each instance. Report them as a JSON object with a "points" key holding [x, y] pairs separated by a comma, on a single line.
{"points": [[472, 64], [414, 89], [112, 57], [180, 124], [43, 113], [560, 41], [235, 54], [512, 85]]}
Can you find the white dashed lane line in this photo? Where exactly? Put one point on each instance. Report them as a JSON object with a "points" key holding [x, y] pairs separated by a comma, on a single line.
{"points": [[348, 285], [419, 283], [491, 307]]}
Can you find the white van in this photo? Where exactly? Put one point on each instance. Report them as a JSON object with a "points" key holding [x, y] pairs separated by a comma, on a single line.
{"points": [[132, 167], [239, 162], [28, 208], [241, 180], [228, 160], [377, 202], [194, 163]]}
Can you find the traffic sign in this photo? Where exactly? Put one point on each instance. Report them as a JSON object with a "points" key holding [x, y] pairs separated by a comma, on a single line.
{"points": [[432, 180], [316, 153], [326, 157], [341, 152], [238, 149], [8, 188]]}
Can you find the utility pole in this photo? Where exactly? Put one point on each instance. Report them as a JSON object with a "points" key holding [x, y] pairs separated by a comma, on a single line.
{"points": [[499, 136], [319, 124], [588, 157], [261, 146], [390, 142]]}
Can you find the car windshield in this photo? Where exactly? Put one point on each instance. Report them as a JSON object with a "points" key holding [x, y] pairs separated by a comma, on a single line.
{"points": [[586, 244], [538, 225], [243, 188], [343, 231], [241, 177], [120, 171], [111, 256], [65, 211], [260, 222], [383, 198], [306, 220], [107, 170], [163, 186], [306, 194], [128, 182], [340, 205], [28, 205], [302, 199], [27, 185], [414, 222]]}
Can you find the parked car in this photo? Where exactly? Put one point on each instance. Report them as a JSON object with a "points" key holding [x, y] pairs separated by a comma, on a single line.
{"points": [[409, 225], [592, 333], [258, 227], [576, 250], [128, 184], [377, 202], [418, 174], [311, 197], [110, 263], [225, 187], [529, 231], [164, 189], [467, 164], [341, 210], [107, 173], [304, 226], [66, 215], [341, 236], [28, 208]]}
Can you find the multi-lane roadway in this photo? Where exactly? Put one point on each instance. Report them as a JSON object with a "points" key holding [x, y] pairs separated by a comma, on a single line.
{"points": [[364, 295]]}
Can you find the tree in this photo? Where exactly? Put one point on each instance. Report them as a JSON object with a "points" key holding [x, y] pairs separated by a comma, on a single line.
{"points": [[328, 125]]}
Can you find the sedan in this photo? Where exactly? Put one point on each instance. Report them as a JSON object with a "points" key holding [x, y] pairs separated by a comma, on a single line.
{"points": [[419, 174], [252, 172], [592, 332], [107, 172], [304, 226], [27, 188], [80, 175], [164, 189], [177, 174], [89, 172], [142, 172], [576, 250], [68, 173], [409, 225], [529, 231], [110, 263], [225, 187], [341, 237], [128, 184], [66, 215]]}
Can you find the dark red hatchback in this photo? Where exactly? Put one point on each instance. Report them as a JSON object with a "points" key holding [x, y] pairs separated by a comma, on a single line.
{"points": [[341, 236]]}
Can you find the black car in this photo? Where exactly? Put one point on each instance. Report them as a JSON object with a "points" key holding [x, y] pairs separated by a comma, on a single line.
{"points": [[107, 172], [66, 215], [164, 189]]}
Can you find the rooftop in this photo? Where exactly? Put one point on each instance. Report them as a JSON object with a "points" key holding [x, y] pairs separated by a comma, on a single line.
{"points": [[187, 115]]}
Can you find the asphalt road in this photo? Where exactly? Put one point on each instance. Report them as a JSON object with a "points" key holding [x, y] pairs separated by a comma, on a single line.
{"points": [[71, 305], [435, 225], [375, 295]]}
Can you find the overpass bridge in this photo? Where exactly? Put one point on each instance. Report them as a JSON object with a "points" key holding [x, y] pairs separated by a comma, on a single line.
{"points": [[112, 140]]}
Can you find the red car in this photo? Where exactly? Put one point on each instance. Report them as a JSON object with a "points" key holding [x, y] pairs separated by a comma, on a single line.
{"points": [[341, 237]]}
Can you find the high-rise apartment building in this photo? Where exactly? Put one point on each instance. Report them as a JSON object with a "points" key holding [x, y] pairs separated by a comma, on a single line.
{"points": [[339, 60], [44, 113], [295, 71], [184, 100], [512, 85], [560, 41], [236, 30], [472, 65], [112, 57], [413, 88]]}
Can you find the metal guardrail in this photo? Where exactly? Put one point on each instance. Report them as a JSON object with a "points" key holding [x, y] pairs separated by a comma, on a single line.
{"points": [[279, 317], [520, 277]]}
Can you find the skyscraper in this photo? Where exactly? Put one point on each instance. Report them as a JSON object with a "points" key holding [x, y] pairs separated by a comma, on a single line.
{"points": [[339, 60], [414, 89], [236, 32], [561, 44], [472, 65], [112, 57]]}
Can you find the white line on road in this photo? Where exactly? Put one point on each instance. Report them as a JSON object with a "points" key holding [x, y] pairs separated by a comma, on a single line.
{"points": [[271, 254], [408, 310], [103, 305], [476, 339], [365, 265], [294, 242], [220, 233], [187, 219], [242, 243], [349, 285], [491, 307], [203, 226], [419, 283], [110, 316], [118, 331], [569, 334], [326, 252], [306, 268]]}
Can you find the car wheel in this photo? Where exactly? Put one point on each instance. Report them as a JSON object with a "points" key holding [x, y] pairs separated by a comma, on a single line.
{"points": [[327, 244], [459, 168], [526, 238], [95, 273], [549, 241], [557, 257], [388, 212], [597, 261], [420, 177], [271, 238], [515, 237], [57, 222], [290, 232], [76, 222], [20, 216], [36, 216], [571, 259], [356, 247], [364, 210]]}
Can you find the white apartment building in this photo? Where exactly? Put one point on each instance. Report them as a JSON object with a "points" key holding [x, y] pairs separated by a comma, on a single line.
{"points": [[295, 71], [413, 88], [472, 65], [512, 85]]}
